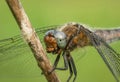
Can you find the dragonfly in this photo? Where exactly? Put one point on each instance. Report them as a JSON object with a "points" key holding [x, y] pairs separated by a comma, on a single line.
{"points": [[62, 40]]}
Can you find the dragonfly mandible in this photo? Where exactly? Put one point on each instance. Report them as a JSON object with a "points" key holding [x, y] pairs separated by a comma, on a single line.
{"points": [[62, 39]]}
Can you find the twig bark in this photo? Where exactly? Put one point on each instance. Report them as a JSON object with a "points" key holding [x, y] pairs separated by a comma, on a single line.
{"points": [[32, 39]]}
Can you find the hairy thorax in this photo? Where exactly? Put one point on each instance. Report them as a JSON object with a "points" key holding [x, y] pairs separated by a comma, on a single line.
{"points": [[79, 40]]}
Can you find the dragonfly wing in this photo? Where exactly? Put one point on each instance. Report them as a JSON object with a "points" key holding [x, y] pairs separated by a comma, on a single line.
{"points": [[16, 56], [11, 47], [110, 57], [16, 45]]}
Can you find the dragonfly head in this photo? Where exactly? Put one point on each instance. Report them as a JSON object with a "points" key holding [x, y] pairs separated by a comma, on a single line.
{"points": [[54, 41]]}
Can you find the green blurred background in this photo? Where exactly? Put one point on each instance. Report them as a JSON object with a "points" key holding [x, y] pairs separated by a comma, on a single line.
{"points": [[95, 13]]}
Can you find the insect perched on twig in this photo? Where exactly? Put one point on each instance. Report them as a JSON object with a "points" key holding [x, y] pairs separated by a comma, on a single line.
{"points": [[73, 35], [61, 41]]}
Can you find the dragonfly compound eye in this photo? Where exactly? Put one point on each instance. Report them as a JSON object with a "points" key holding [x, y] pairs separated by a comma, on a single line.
{"points": [[61, 39]]}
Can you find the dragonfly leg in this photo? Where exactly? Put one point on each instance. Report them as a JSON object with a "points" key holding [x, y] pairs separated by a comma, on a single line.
{"points": [[55, 63], [65, 62], [71, 71], [73, 67]]}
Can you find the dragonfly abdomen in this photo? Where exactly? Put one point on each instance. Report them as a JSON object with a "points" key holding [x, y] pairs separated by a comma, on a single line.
{"points": [[110, 35]]}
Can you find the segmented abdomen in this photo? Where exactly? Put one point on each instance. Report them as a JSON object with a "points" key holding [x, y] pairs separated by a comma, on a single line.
{"points": [[109, 35]]}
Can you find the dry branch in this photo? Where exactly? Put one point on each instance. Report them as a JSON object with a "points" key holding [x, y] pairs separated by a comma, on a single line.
{"points": [[32, 39]]}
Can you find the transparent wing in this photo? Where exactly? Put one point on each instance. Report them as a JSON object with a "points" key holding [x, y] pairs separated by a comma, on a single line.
{"points": [[110, 57], [16, 55], [11, 46], [17, 46]]}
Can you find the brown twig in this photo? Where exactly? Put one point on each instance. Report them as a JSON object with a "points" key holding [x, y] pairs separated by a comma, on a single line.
{"points": [[32, 39]]}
